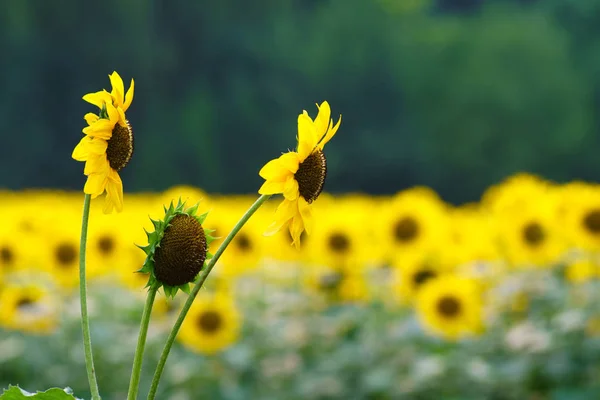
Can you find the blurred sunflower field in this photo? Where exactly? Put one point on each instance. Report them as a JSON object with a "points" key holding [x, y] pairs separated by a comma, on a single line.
{"points": [[403, 296]]}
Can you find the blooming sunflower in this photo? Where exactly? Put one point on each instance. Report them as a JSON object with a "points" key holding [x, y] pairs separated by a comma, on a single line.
{"points": [[212, 324], [450, 306], [580, 215], [300, 175], [107, 146], [28, 308]]}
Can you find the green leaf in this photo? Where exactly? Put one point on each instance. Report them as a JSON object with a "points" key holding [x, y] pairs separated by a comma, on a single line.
{"points": [[16, 393]]}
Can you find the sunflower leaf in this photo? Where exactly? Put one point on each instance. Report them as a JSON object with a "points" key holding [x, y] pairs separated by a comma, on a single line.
{"points": [[16, 393]]}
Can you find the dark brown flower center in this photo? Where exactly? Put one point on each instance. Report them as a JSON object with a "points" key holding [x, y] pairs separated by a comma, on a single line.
{"points": [[209, 321], [6, 255], [182, 251], [339, 243], [533, 233], [449, 307], [243, 242], [66, 254], [311, 176], [120, 147], [106, 245], [406, 229], [423, 276], [591, 222], [25, 302]]}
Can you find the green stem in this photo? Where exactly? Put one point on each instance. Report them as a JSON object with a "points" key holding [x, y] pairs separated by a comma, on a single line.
{"points": [[134, 383], [85, 323], [201, 278]]}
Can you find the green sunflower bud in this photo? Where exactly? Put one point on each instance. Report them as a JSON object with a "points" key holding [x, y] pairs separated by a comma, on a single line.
{"points": [[177, 250]]}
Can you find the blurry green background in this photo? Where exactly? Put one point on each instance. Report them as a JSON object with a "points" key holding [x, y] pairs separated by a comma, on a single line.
{"points": [[454, 94]]}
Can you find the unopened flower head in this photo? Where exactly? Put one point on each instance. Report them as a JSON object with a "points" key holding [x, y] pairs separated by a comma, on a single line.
{"points": [[177, 249], [300, 175], [107, 146]]}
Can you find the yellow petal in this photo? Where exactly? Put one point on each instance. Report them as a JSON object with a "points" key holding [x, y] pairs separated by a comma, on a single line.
{"points": [[330, 133], [90, 118], [80, 152], [306, 214], [307, 136], [96, 165], [271, 187], [114, 193], [290, 189], [274, 170], [128, 97], [296, 228], [285, 211], [95, 185], [290, 161], [98, 99], [118, 90], [100, 129], [97, 146], [322, 120], [113, 114], [121, 119]]}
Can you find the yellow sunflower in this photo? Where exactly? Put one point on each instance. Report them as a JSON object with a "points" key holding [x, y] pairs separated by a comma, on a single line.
{"points": [[581, 271], [412, 221], [580, 215], [410, 274], [212, 324], [450, 307], [28, 308], [300, 175], [336, 285], [107, 146]]}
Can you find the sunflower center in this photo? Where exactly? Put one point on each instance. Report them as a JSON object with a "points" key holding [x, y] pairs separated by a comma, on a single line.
{"points": [[106, 245], [311, 176], [339, 243], [423, 276], [533, 233], [6, 255], [120, 147], [65, 254], [243, 242], [209, 321], [406, 229], [592, 221], [448, 306], [182, 251], [25, 302]]}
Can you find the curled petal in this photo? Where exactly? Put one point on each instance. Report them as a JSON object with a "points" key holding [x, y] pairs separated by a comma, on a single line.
{"points": [[99, 98], [95, 184], [290, 189], [322, 120], [306, 213], [330, 133], [118, 90], [307, 136], [128, 96], [271, 187]]}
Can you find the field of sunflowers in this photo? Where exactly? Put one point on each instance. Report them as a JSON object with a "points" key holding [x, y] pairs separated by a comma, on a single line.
{"points": [[390, 297]]}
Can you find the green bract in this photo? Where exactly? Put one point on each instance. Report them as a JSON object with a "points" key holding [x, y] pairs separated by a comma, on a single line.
{"points": [[177, 250]]}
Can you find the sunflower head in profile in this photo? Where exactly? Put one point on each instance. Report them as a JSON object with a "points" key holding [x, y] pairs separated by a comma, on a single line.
{"points": [[450, 307], [300, 175], [177, 249], [212, 324], [107, 146]]}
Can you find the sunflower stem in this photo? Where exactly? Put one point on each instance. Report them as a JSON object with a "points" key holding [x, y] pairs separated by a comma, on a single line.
{"points": [[134, 383], [201, 278], [85, 323]]}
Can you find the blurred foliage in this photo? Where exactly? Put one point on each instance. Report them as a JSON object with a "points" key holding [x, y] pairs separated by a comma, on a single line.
{"points": [[430, 91]]}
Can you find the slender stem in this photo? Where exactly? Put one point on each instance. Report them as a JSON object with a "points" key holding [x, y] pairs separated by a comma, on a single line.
{"points": [[134, 383], [201, 278], [85, 323]]}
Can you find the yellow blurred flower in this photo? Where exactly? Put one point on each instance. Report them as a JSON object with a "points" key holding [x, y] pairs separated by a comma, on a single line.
{"points": [[581, 215], [414, 221], [300, 175], [28, 308], [213, 323], [450, 307], [411, 274], [335, 284], [107, 146], [581, 271]]}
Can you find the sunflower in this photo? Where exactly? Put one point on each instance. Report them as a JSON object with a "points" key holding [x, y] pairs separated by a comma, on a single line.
{"points": [[15, 251], [212, 324], [580, 215], [450, 307], [412, 221], [410, 274], [300, 175], [581, 271], [107, 146], [341, 241], [28, 308], [107, 244]]}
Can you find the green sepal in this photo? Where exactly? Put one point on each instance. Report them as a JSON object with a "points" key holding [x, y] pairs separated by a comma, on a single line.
{"points": [[186, 288]]}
